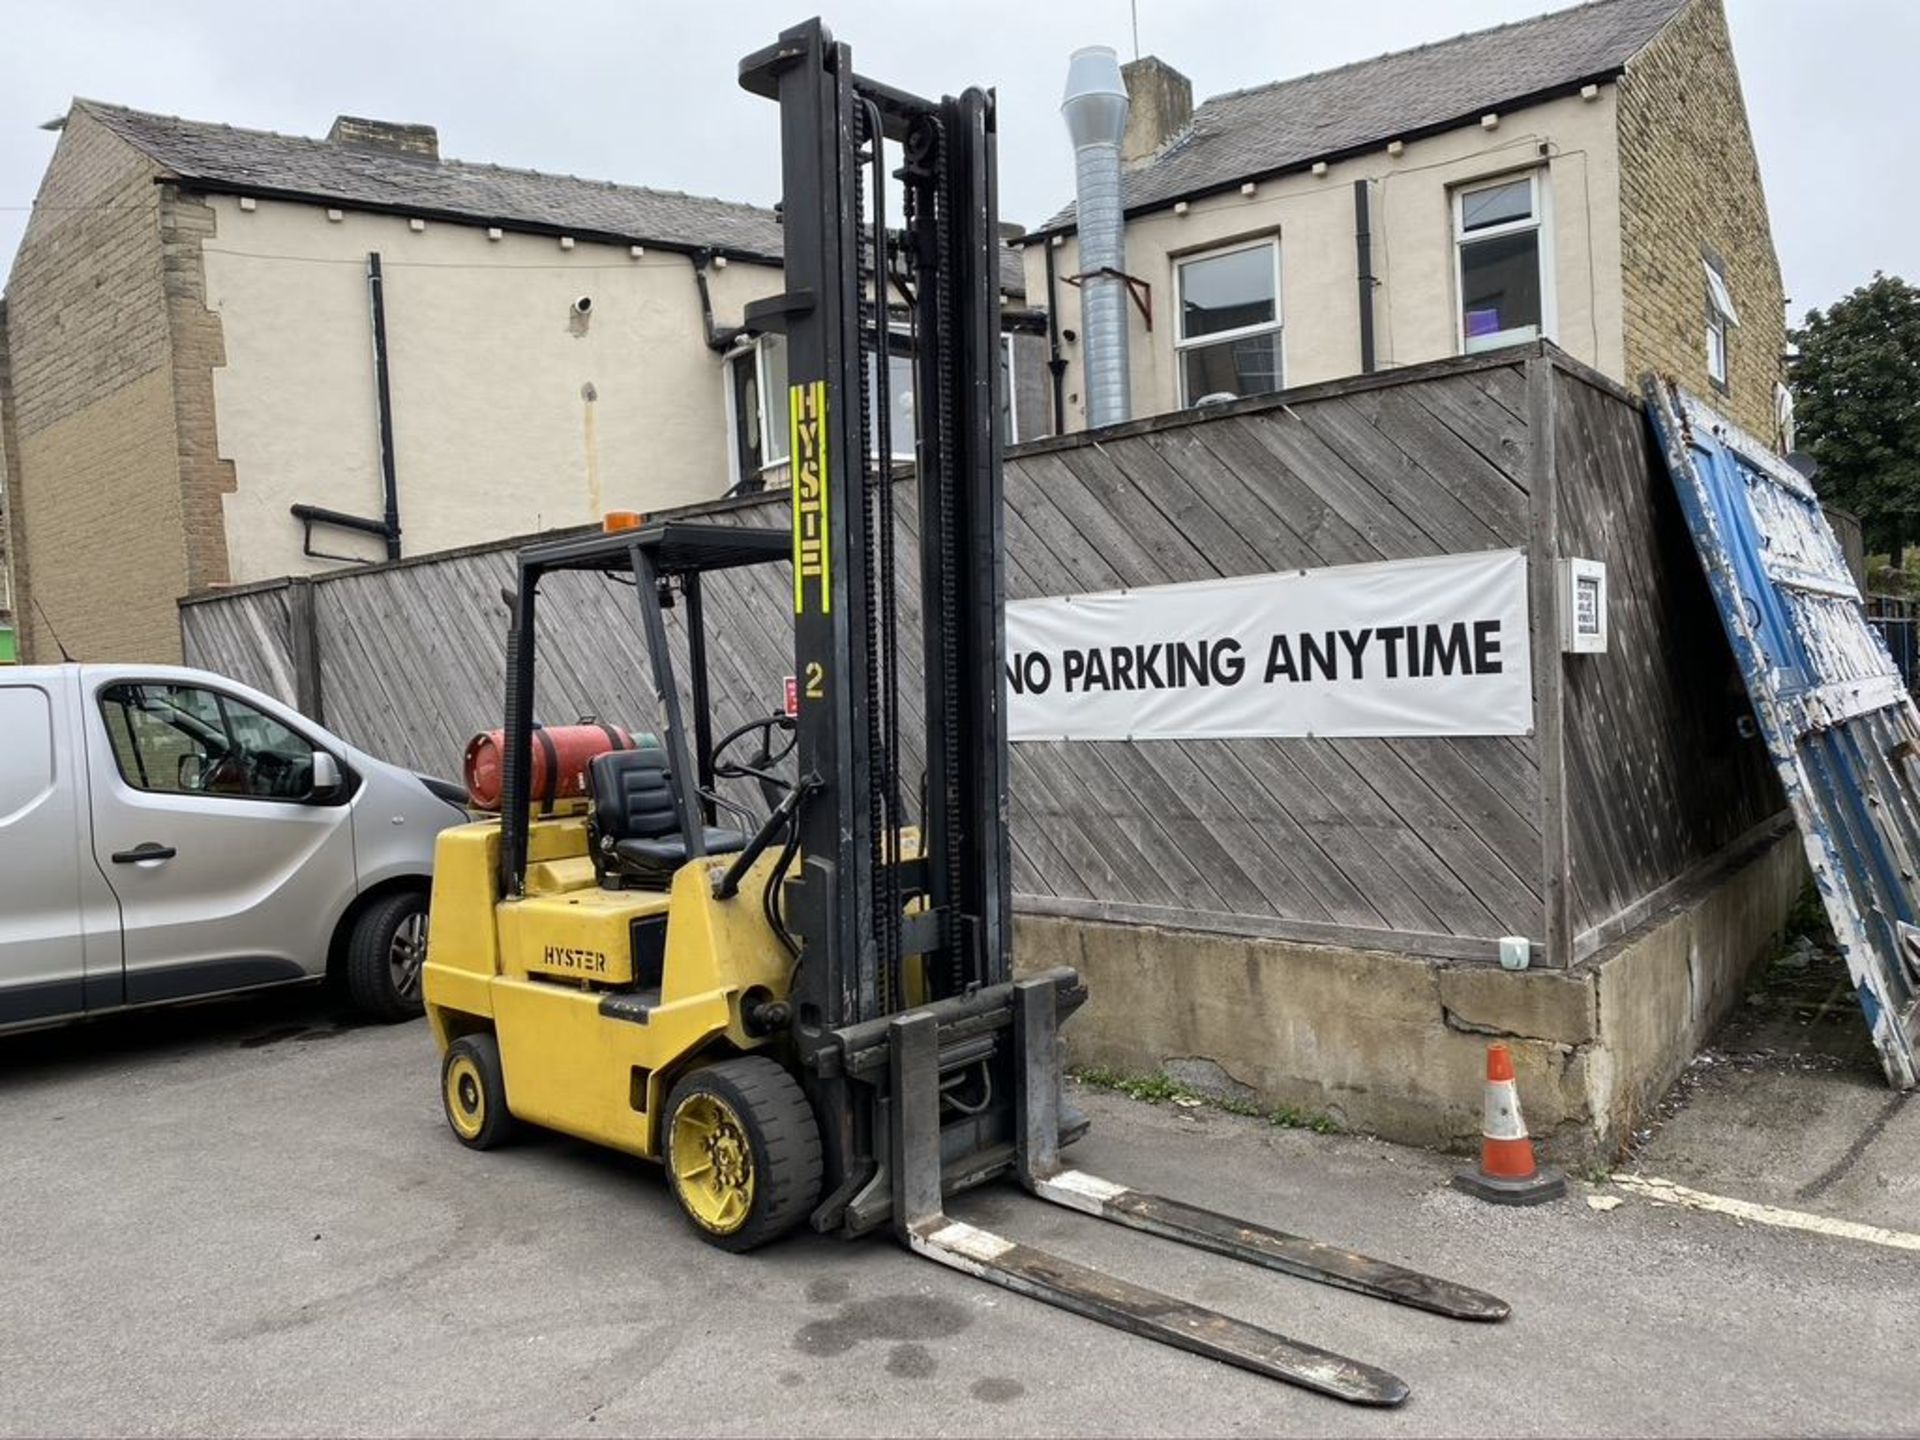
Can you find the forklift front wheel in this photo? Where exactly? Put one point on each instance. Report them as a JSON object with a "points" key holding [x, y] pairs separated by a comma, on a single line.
{"points": [[743, 1151], [474, 1091]]}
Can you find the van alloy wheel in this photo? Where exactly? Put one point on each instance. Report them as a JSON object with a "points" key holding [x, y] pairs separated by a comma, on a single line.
{"points": [[407, 953], [386, 956]]}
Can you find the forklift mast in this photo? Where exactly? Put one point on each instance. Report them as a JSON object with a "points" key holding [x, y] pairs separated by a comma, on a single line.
{"points": [[846, 260], [929, 1068]]}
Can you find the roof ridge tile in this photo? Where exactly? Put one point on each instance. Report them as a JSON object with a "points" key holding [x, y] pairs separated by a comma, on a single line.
{"points": [[1423, 46]]}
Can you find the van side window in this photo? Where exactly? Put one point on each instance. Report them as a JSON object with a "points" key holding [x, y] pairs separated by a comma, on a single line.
{"points": [[184, 740]]}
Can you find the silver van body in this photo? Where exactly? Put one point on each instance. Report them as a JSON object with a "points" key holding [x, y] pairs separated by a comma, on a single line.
{"points": [[168, 834]]}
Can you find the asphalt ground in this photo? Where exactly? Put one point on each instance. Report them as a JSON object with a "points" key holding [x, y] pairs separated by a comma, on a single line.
{"points": [[249, 1218], [1788, 1105]]}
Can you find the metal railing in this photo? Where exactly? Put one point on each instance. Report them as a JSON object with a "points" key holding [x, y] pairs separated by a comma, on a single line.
{"points": [[1896, 618]]}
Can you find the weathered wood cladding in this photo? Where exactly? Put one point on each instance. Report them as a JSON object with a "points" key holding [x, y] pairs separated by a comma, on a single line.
{"points": [[1433, 846], [1659, 774]]}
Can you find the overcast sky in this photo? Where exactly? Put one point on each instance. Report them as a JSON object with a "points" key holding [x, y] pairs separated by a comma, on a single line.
{"points": [[644, 92]]}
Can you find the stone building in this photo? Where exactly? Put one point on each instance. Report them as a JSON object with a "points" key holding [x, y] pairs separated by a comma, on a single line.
{"points": [[237, 355], [1587, 176]]}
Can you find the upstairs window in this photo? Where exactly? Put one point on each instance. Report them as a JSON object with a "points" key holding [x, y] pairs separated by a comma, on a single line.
{"points": [[757, 385], [1721, 321], [757, 381], [1229, 335], [1009, 380], [901, 431], [1500, 256]]}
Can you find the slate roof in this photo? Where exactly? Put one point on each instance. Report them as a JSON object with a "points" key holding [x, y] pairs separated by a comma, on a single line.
{"points": [[1290, 124], [261, 162]]}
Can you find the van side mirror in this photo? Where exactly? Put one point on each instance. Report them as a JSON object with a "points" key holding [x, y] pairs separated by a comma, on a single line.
{"points": [[326, 776], [191, 773]]}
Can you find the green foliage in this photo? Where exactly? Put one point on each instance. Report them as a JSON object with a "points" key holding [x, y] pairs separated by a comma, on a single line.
{"points": [[1857, 406], [1808, 919], [1160, 1087]]}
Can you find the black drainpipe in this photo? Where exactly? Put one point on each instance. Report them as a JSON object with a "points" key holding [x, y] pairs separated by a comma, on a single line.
{"points": [[1056, 366], [377, 294], [720, 339], [1363, 244]]}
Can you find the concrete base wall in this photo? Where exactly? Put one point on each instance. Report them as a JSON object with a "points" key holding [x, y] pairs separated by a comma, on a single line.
{"points": [[1395, 1044]]}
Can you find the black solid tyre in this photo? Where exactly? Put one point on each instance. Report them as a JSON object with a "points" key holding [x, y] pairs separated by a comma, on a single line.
{"points": [[473, 1092], [385, 952], [782, 1140]]}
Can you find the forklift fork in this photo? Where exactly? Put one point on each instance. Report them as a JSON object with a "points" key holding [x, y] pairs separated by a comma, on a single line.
{"points": [[858, 912], [921, 1222]]}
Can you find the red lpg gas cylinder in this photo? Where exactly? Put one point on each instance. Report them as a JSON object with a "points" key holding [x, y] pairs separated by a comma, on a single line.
{"points": [[558, 761]]}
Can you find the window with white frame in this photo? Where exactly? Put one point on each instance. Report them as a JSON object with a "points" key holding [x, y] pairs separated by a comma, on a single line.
{"points": [[757, 381], [1009, 403], [1228, 340], [900, 429], [1502, 267], [1721, 320]]}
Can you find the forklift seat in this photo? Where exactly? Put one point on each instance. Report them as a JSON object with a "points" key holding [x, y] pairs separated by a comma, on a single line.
{"points": [[634, 822]]}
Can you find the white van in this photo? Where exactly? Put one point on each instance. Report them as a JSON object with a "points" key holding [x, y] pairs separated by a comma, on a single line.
{"points": [[167, 834]]}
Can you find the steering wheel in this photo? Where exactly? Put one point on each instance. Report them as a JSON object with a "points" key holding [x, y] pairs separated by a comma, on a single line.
{"points": [[226, 775], [772, 750]]}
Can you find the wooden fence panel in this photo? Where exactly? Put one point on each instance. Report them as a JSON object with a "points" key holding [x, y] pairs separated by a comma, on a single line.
{"points": [[246, 635], [1659, 776], [1430, 844]]}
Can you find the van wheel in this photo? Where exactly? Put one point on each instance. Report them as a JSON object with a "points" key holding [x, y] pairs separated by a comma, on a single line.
{"points": [[385, 954], [743, 1151], [473, 1089]]}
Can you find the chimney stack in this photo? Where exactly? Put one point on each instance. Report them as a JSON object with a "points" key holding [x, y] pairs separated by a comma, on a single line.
{"points": [[355, 132], [1160, 106]]}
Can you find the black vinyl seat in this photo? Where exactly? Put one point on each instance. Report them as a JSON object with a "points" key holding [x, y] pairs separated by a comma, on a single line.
{"points": [[634, 824]]}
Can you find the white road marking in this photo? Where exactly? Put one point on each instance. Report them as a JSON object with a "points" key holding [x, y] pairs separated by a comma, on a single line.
{"points": [[1665, 1191]]}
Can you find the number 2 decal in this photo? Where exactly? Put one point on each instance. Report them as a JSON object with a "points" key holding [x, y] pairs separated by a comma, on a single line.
{"points": [[816, 680]]}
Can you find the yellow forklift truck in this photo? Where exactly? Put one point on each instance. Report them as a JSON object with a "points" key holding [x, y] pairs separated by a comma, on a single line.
{"points": [[817, 1022]]}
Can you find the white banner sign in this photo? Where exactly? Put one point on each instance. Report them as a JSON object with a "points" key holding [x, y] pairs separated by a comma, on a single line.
{"points": [[1401, 647]]}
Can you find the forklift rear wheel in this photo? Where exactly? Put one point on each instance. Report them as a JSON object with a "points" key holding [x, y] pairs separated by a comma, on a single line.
{"points": [[474, 1091], [743, 1151]]}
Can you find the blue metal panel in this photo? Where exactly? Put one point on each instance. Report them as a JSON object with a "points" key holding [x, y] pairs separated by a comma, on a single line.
{"points": [[1837, 718]]}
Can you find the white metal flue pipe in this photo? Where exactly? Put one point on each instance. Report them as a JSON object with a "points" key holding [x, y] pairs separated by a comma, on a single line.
{"points": [[1095, 109]]}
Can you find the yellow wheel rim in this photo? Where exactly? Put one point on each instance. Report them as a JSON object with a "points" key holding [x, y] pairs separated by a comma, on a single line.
{"points": [[466, 1097], [712, 1163]]}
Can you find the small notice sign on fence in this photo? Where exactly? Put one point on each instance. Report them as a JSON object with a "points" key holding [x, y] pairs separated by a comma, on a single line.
{"points": [[1435, 646]]}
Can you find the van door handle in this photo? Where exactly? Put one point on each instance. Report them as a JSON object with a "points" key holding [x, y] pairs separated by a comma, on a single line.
{"points": [[148, 851]]}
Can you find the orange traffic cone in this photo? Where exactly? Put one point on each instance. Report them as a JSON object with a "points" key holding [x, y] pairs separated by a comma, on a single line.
{"points": [[1507, 1174]]}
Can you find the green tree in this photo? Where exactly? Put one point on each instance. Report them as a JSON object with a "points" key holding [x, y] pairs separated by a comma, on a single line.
{"points": [[1857, 407]]}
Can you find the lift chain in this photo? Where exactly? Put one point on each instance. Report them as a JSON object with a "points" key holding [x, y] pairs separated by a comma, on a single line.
{"points": [[875, 431], [949, 617], [891, 956]]}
